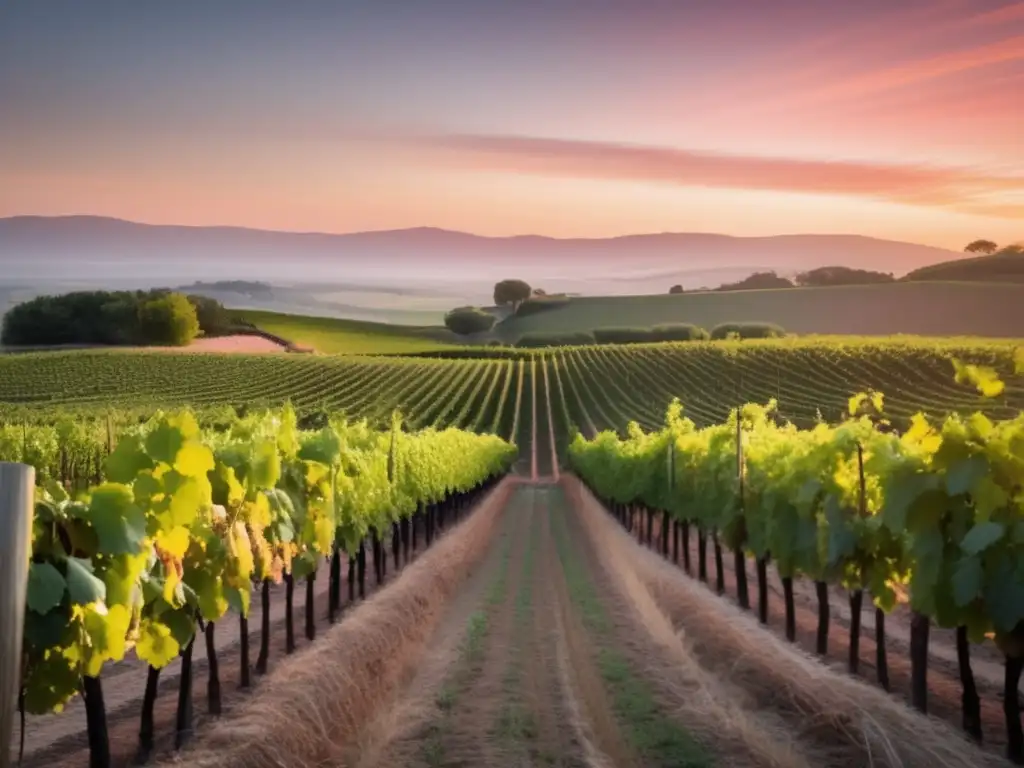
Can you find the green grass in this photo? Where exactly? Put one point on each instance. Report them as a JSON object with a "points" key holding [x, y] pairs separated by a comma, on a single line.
{"points": [[471, 654], [927, 308], [354, 337], [658, 739]]}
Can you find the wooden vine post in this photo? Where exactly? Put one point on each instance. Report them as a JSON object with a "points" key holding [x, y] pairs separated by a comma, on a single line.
{"points": [[17, 487], [740, 558]]}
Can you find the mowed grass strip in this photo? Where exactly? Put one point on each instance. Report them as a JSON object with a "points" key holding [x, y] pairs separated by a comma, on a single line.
{"points": [[334, 336], [657, 738]]}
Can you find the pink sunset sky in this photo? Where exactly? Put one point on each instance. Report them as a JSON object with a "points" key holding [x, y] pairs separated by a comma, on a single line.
{"points": [[902, 120]]}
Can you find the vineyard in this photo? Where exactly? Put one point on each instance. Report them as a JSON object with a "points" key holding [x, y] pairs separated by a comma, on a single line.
{"points": [[159, 530], [595, 387]]}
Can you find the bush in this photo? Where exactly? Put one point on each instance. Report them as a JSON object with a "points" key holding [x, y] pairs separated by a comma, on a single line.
{"points": [[622, 335], [555, 339], [747, 331], [469, 320], [539, 304], [169, 320], [676, 289], [102, 317], [679, 332]]}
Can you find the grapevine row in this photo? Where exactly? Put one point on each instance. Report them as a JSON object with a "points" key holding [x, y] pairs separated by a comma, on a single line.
{"points": [[933, 517], [185, 524]]}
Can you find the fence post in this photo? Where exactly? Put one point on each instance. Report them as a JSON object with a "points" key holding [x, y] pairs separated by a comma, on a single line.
{"points": [[17, 485]]}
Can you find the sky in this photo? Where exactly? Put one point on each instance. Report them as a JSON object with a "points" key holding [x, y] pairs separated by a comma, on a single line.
{"points": [[569, 118]]}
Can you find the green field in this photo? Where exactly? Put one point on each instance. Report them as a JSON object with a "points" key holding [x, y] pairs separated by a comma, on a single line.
{"points": [[925, 309], [591, 387], [333, 336]]}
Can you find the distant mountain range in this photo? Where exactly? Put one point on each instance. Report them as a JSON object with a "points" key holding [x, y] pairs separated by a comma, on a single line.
{"points": [[92, 247]]}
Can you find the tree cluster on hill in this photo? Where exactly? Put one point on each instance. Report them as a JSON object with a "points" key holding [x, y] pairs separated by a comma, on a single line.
{"points": [[135, 318], [823, 276], [757, 281], [994, 265]]}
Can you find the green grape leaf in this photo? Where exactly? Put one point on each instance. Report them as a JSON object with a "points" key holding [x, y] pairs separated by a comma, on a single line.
{"points": [[156, 645], [121, 576], [45, 587], [127, 460], [1004, 596], [173, 541], [49, 631], [323, 447], [209, 591], [266, 466], [981, 537], [928, 549], [842, 541], [304, 565], [107, 631], [164, 442], [905, 490], [119, 524], [238, 600], [50, 683], [187, 500], [182, 624], [988, 497], [227, 491], [83, 587], [194, 460], [967, 580], [964, 474], [145, 487]]}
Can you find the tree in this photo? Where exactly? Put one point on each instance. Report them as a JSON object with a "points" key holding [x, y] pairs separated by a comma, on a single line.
{"points": [[214, 320], [986, 247], [676, 289], [512, 292], [169, 319], [468, 320]]}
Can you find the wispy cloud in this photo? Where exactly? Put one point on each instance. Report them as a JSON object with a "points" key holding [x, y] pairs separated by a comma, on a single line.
{"points": [[942, 65], [960, 188]]}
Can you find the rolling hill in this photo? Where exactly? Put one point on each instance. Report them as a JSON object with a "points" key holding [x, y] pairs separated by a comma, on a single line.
{"points": [[90, 247], [1004, 266], [923, 308]]}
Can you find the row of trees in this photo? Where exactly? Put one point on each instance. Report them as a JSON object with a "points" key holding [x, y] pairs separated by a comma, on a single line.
{"points": [[822, 276], [832, 276], [134, 318]]}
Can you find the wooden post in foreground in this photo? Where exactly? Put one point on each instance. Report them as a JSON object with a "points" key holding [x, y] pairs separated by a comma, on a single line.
{"points": [[17, 484]]}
